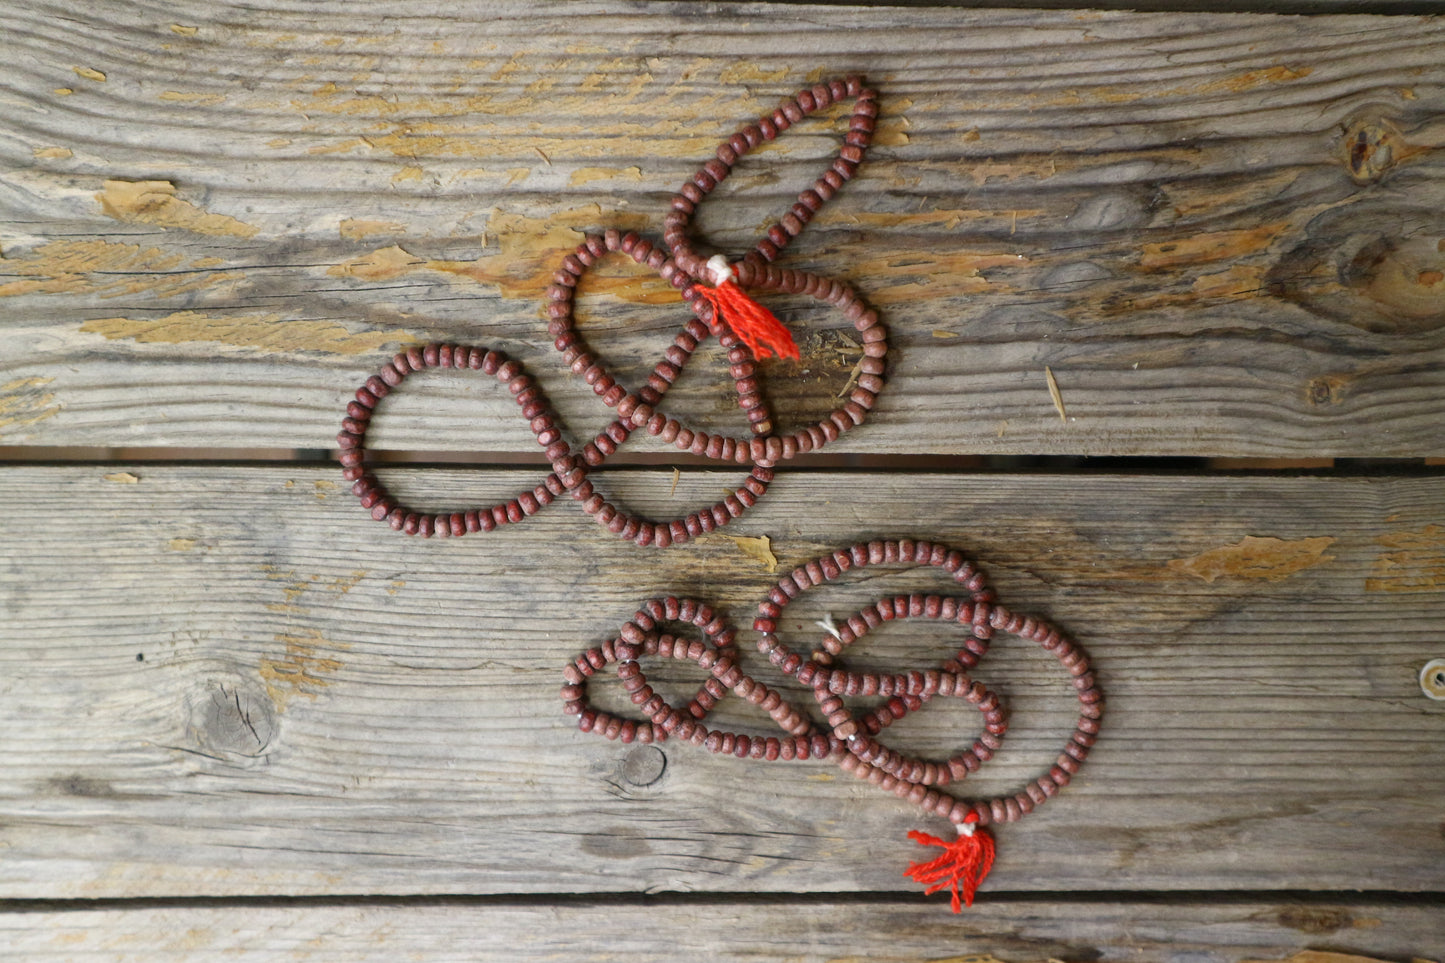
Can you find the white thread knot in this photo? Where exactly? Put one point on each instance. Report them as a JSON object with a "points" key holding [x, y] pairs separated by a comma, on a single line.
{"points": [[720, 269]]}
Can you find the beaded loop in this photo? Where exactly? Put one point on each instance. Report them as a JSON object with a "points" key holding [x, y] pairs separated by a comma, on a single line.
{"points": [[906, 692], [639, 408], [850, 739], [754, 270], [778, 234], [984, 616], [718, 655], [525, 392]]}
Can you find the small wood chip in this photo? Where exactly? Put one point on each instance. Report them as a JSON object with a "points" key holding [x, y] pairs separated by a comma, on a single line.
{"points": [[853, 375], [1054, 394], [758, 549], [676, 474], [122, 478]]}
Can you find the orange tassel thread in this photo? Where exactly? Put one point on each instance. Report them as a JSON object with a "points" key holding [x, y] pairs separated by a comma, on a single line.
{"points": [[964, 863], [753, 324]]}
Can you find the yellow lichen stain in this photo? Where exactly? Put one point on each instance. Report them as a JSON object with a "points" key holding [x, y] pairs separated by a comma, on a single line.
{"points": [[1211, 246], [200, 100], [532, 248], [938, 219], [52, 153], [970, 958], [407, 174], [891, 132], [1250, 79], [182, 30], [302, 669], [1253, 557], [294, 586], [156, 203], [322, 488], [265, 333], [23, 403], [384, 264], [529, 113], [1328, 956], [356, 229], [1415, 562], [1238, 281], [181, 544], [109, 270], [586, 175], [930, 273], [741, 73], [89, 73]]}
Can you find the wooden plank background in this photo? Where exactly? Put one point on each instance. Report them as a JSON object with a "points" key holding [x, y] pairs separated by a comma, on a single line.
{"points": [[248, 720], [865, 929], [254, 689], [1220, 233]]}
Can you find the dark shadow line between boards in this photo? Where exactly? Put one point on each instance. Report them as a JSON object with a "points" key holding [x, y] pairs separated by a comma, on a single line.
{"points": [[1391, 8], [892, 900], [975, 464]]}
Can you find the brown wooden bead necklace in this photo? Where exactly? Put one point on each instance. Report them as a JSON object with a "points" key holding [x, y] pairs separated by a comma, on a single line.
{"points": [[712, 289], [849, 739]]}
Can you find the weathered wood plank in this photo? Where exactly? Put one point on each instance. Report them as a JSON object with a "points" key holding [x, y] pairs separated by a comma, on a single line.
{"points": [[220, 681], [1221, 233], [802, 932]]}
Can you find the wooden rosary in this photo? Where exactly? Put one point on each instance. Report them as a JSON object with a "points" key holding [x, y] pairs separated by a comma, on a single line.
{"points": [[849, 739], [714, 291]]}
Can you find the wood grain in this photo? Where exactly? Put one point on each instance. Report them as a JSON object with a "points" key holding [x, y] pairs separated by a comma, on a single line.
{"points": [[1221, 233], [806, 932], [228, 681]]}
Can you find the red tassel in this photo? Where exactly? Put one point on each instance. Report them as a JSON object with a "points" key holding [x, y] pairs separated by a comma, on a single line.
{"points": [[964, 863], [753, 324]]}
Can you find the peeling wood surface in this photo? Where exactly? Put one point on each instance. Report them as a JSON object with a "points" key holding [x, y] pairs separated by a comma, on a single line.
{"points": [[1220, 233], [229, 681], [803, 932]]}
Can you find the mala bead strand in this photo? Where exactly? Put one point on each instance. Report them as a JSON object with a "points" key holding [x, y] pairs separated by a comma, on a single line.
{"points": [[965, 860], [778, 234], [639, 408], [640, 637], [913, 690], [849, 739], [382, 506]]}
